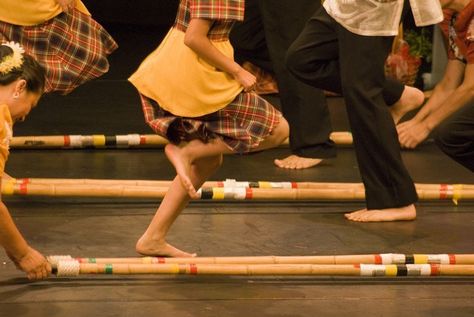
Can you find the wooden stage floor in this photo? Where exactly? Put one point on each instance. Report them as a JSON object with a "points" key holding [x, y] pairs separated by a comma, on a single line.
{"points": [[110, 228]]}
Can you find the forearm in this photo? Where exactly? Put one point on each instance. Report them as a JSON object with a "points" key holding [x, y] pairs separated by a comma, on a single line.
{"points": [[10, 237], [463, 96], [440, 95], [445, 90]]}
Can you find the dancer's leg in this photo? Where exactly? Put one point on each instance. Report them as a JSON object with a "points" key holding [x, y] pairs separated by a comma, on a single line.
{"points": [[152, 242]]}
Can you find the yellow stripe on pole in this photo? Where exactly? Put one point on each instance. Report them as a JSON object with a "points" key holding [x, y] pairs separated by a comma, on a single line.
{"points": [[264, 185], [218, 193], [420, 258], [391, 270], [98, 140], [457, 193]]}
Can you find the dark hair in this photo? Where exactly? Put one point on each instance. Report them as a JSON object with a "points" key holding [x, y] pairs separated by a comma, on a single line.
{"points": [[30, 70]]}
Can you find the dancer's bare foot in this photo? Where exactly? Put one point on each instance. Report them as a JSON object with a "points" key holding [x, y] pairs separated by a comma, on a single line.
{"points": [[378, 215], [297, 162], [411, 98], [182, 164], [160, 248]]}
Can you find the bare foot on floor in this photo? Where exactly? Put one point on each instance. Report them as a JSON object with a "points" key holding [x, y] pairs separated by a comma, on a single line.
{"points": [[161, 249], [297, 162], [411, 99], [378, 215], [182, 165]]}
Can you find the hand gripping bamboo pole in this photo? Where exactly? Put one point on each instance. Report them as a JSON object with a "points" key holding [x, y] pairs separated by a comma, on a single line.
{"points": [[75, 268], [118, 141], [384, 258]]}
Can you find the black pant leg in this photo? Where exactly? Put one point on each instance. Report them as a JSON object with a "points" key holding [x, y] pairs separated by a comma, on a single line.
{"points": [[455, 136], [303, 106], [314, 58], [248, 38], [387, 182]]}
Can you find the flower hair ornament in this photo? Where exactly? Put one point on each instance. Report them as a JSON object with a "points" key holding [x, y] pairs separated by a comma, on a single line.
{"points": [[10, 62]]}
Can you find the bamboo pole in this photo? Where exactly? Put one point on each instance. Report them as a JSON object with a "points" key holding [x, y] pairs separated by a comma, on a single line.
{"points": [[384, 258], [231, 183], [75, 268], [220, 193], [118, 141]]}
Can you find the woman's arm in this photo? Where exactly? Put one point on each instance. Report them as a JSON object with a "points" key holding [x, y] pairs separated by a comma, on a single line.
{"points": [[25, 258], [196, 39]]}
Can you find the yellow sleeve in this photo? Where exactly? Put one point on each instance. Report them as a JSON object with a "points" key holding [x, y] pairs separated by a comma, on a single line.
{"points": [[5, 136]]}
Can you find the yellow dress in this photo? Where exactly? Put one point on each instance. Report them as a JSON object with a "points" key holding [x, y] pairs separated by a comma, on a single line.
{"points": [[6, 125], [177, 78], [181, 82], [32, 12]]}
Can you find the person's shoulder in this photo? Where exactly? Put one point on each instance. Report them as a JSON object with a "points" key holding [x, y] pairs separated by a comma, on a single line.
{"points": [[5, 120]]}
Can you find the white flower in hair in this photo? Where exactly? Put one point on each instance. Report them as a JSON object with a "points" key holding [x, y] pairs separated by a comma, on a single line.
{"points": [[10, 62]]}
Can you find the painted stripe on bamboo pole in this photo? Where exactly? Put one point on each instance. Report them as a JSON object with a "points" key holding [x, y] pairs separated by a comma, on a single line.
{"points": [[118, 141], [75, 268], [385, 259]]}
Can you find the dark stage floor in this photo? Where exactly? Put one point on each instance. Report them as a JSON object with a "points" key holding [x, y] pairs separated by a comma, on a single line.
{"points": [[110, 227]]}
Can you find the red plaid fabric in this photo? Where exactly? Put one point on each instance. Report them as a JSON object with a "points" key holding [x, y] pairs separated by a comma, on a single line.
{"points": [[266, 82], [225, 12], [72, 47], [242, 125]]}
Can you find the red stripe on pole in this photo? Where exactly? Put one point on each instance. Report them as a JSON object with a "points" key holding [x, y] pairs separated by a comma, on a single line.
{"points": [[377, 259], [248, 193], [435, 269], [452, 259], [443, 191], [67, 140], [23, 189], [193, 269]]}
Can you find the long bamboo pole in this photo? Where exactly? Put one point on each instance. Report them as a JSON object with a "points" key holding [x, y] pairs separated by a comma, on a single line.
{"points": [[166, 183], [226, 183], [117, 141], [221, 193], [75, 268], [384, 258]]}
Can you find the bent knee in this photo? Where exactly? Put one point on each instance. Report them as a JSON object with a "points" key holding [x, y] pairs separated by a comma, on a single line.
{"points": [[294, 62]]}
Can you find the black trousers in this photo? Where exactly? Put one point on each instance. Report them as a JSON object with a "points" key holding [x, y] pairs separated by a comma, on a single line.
{"points": [[263, 38], [455, 136], [326, 55]]}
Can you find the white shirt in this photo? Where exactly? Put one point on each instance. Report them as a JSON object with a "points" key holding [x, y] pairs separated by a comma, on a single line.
{"points": [[381, 17]]}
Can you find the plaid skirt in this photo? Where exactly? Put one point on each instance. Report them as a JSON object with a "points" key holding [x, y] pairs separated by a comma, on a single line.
{"points": [[242, 124], [72, 47]]}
